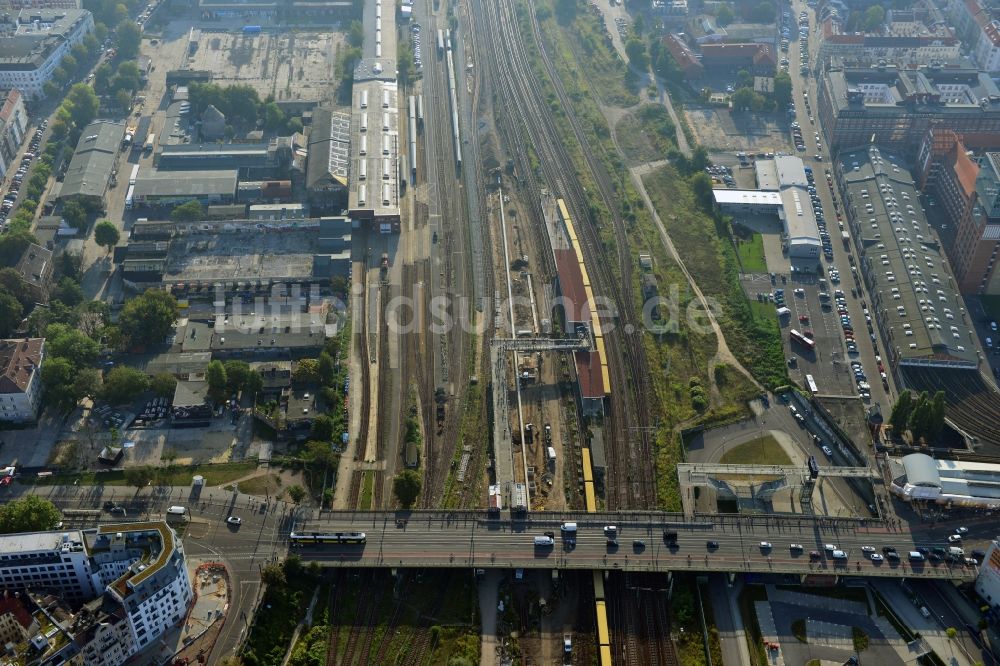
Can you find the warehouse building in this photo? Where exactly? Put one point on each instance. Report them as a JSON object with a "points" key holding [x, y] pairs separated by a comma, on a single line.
{"points": [[95, 160], [915, 298], [895, 107], [329, 157], [172, 188]]}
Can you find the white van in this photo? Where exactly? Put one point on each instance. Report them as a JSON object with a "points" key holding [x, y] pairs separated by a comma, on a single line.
{"points": [[544, 541], [955, 551], [568, 527], [177, 511], [924, 611], [839, 555]]}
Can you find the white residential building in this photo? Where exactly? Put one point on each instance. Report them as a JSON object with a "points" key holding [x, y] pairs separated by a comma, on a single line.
{"points": [[33, 44], [21, 379]]}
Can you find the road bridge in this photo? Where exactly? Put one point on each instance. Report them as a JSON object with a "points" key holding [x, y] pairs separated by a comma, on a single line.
{"points": [[428, 539], [774, 470]]}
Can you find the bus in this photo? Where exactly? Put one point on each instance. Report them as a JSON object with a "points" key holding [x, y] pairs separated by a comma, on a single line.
{"points": [[795, 336], [812, 384]]}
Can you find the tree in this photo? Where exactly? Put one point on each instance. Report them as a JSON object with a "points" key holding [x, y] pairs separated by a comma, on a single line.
{"points": [[296, 493], [952, 632], [102, 78], [68, 291], [306, 371], [123, 384], [69, 62], [140, 477], [75, 214], [724, 15], [215, 375], [901, 412], [11, 313], [148, 318], [127, 77], [90, 45], [274, 117], [88, 383], [28, 514], [187, 212], [64, 341], [325, 369], [273, 575], [123, 100], [762, 13], [129, 38], [566, 11], [701, 185], [356, 34], [874, 16], [12, 282], [322, 428], [50, 89], [782, 88], [744, 79], [638, 25], [406, 487], [106, 235], [163, 384], [635, 49], [920, 418], [294, 125], [320, 454], [12, 245], [742, 99], [83, 104], [58, 376]]}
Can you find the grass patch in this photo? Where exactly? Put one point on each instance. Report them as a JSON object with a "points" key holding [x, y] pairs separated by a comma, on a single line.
{"points": [[265, 484], [367, 490], [282, 608], [172, 475], [758, 451], [646, 134], [799, 630], [751, 254], [703, 241], [685, 617], [860, 639]]}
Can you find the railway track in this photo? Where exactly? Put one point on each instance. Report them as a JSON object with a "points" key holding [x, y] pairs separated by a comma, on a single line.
{"points": [[334, 638], [362, 630], [517, 91], [354, 496]]}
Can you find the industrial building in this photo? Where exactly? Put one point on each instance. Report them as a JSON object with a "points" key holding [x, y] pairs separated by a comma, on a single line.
{"points": [[252, 161], [894, 108], [373, 193], [782, 182], [918, 476], [33, 43], [94, 162], [915, 299], [329, 158], [172, 188]]}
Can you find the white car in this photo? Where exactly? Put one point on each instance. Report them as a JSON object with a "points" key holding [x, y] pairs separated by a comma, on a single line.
{"points": [[962, 530], [765, 545], [234, 520], [796, 547], [954, 538], [875, 557], [867, 549]]}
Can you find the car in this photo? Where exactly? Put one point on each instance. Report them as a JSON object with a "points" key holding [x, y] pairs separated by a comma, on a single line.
{"points": [[765, 545], [234, 520], [954, 538], [638, 545], [814, 555], [829, 546], [827, 451], [961, 530], [712, 545], [867, 549], [875, 557], [795, 547], [888, 549], [118, 510]]}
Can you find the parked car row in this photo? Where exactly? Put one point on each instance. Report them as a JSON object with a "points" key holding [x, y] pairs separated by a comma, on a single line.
{"points": [[10, 197]]}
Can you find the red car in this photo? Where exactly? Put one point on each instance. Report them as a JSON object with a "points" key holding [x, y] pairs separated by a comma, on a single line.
{"points": [[804, 319], [809, 334]]}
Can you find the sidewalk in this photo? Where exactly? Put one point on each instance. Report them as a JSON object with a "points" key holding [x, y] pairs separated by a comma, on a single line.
{"points": [[768, 631], [932, 633], [774, 595]]}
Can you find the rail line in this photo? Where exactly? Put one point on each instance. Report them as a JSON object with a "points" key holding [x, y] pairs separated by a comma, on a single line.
{"points": [[517, 91]]}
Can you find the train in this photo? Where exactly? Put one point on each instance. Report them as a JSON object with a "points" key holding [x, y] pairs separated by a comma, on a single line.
{"points": [[456, 134], [603, 635], [319, 538]]}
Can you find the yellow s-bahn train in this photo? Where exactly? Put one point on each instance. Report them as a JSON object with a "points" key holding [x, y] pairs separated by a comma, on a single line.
{"points": [[318, 538]]}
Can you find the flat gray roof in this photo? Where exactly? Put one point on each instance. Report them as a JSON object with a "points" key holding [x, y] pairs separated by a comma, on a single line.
{"points": [[96, 155], [916, 297], [31, 542], [185, 183], [767, 175], [800, 221], [377, 193]]}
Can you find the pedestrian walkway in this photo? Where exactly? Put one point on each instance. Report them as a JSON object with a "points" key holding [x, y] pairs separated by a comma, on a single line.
{"points": [[828, 634], [931, 632], [776, 595], [768, 632]]}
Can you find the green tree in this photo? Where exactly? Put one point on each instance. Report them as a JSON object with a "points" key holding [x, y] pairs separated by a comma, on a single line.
{"points": [[782, 89], [273, 575], [50, 89], [163, 384], [148, 318], [102, 78], [901, 412], [123, 100], [14, 284], [90, 45], [69, 62], [744, 79], [83, 104], [294, 125], [638, 25], [188, 212], [58, 377], [405, 64], [28, 514], [306, 371], [874, 17], [724, 15], [326, 369], [937, 414], [406, 487], [356, 34], [763, 13], [88, 384], [127, 77], [11, 313], [274, 117], [75, 214], [322, 429], [566, 11], [13, 244], [68, 292], [215, 375], [140, 477], [635, 49], [123, 384], [106, 235], [742, 100], [701, 185], [72, 344], [296, 493], [952, 632], [128, 37], [920, 418]]}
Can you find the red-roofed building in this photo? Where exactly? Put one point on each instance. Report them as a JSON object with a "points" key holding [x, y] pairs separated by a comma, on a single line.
{"points": [[591, 381], [757, 59], [573, 296], [16, 622], [686, 59]]}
